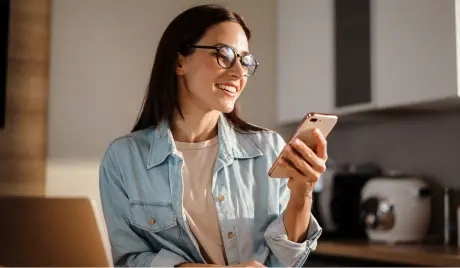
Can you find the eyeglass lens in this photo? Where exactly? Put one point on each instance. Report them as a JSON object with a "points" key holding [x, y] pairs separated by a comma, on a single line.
{"points": [[226, 57]]}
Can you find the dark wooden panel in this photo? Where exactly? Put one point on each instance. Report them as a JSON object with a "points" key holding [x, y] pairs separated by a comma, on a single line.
{"points": [[352, 52], [23, 141]]}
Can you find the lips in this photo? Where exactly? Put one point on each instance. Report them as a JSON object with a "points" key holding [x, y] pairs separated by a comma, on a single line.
{"points": [[228, 88]]}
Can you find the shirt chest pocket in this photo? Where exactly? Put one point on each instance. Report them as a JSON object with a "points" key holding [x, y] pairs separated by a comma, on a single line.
{"points": [[158, 219]]}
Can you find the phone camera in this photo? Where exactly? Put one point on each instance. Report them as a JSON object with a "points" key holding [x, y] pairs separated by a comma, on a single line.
{"points": [[313, 119]]}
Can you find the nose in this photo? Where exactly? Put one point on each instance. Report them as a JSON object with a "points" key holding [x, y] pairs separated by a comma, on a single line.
{"points": [[237, 69]]}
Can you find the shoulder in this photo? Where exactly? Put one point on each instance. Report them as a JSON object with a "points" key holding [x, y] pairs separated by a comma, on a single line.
{"points": [[128, 144], [266, 140]]}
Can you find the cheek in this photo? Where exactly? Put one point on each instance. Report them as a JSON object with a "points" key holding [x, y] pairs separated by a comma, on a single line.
{"points": [[210, 63], [201, 79], [206, 71], [211, 70], [204, 63], [243, 83]]}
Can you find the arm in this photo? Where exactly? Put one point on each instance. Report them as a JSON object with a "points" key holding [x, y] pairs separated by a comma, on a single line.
{"points": [[286, 252], [297, 217], [128, 248], [305, 167], [294, 234]]}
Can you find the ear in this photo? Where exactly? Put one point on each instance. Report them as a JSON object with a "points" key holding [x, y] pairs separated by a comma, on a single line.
{"points": [[180, 64]]}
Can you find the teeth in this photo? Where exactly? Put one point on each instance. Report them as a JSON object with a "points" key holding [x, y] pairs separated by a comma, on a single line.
{"points": [[227, 88]]}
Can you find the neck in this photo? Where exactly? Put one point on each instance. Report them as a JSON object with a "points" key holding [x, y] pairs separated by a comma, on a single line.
{"points": [[195, 127]]}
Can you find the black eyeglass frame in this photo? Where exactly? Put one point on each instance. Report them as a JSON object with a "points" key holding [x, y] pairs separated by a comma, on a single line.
{"points": [[219, 47]]}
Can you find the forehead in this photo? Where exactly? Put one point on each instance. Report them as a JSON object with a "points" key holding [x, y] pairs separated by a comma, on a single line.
{"points": [[229, 33]]}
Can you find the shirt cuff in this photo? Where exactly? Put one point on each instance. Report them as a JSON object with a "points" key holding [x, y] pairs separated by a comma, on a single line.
{"points": [[313, 233], [166, 258], [291, 253]]}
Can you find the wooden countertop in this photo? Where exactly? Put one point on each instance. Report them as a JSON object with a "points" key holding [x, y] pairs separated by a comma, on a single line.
{"points": [[423, 255]]}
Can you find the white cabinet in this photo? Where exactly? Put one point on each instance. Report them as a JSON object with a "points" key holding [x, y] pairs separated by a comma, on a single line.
{"points": [[413, 57], [304, 58], [414, 51]]}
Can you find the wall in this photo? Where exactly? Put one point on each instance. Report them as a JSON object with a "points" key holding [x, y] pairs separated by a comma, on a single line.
{"points": [[23, 141], [102, 52], [426, 145]]}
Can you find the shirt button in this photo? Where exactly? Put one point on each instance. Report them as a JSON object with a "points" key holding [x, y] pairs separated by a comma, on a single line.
{"points": [[221, 198], [230, 235], [152, 221]]}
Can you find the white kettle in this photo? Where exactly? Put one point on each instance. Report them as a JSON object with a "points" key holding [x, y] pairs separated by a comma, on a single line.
{"points": [[396, 210]]}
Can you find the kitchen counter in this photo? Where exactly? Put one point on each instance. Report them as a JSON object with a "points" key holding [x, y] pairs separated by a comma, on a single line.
{"points": [[423, 255]]}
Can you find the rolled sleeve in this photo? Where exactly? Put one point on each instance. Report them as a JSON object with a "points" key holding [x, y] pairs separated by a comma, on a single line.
{"points": [[289, 253]]}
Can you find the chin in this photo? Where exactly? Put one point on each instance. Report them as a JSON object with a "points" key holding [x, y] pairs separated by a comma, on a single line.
{"points": [[225, 111], [226, 108]]}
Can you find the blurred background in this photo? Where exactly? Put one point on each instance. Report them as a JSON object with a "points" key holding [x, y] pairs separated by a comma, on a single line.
{"points": [[77, 70]]}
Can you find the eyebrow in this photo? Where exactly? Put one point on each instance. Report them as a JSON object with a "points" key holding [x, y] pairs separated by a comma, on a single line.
{"points": [[242, 52]]}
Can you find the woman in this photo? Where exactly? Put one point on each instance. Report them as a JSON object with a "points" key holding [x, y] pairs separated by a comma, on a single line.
{"points": [[189, 185]]}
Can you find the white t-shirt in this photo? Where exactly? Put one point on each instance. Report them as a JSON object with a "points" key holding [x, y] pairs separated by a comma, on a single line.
{"points": [[200, 211]]}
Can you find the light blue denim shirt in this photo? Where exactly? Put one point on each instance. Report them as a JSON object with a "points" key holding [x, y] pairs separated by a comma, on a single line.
{"points": [[141, 192]]}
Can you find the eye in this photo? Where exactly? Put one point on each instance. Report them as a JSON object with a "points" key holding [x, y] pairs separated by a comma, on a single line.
{"points": [[248, 61], [226, 56], [226, 52]]}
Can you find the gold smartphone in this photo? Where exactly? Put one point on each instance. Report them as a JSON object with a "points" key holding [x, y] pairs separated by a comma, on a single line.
{"points": [[324, 122]]}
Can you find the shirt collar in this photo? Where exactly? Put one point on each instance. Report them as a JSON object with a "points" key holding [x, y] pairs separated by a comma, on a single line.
{"points": [[232, 144]]}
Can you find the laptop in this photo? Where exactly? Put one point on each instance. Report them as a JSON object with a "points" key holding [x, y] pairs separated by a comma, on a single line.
{"points": [[52, 231]]}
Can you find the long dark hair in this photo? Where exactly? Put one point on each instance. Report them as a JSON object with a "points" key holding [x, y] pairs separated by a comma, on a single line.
{"points": [[162, 99]]}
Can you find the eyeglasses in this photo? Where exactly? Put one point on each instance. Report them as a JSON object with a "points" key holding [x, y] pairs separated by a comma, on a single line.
{"points": [[226, 58]]}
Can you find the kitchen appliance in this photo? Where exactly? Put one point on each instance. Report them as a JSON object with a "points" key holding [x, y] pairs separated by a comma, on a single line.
{"points": [[337, 199], [396, 210]]}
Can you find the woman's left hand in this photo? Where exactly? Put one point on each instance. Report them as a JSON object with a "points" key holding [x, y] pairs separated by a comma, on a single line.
{"points": [[304, 165]]}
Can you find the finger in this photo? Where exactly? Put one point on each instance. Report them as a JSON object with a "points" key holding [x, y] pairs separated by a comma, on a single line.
{"points": [[296, 161], [321, 147], [308, 155], [294, 171], [290, 170]]}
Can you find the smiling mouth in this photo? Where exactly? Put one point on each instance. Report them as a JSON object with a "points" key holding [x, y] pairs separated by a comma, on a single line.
{"points": [[227, 88]]}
